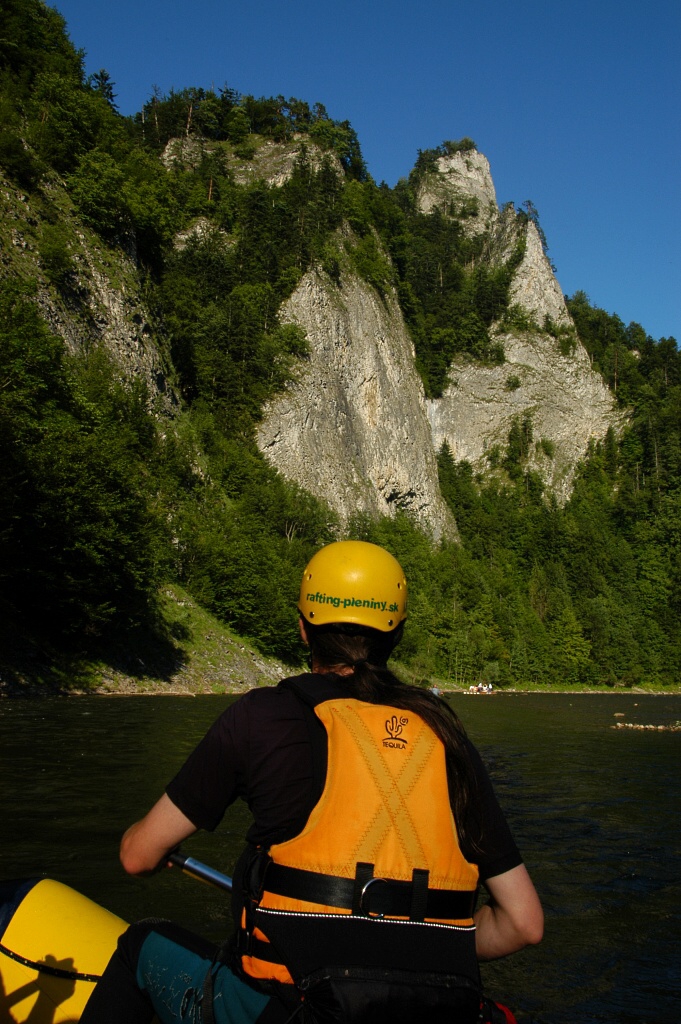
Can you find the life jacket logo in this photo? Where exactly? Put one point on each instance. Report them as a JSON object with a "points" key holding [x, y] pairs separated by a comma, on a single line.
{"points": [[394, 727]]}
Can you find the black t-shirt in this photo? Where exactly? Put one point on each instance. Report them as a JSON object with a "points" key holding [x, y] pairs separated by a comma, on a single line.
{"points": [[260, 750]]}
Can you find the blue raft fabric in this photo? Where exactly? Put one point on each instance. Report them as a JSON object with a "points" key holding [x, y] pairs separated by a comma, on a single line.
{"points": [[172, 976], [158, 970]]}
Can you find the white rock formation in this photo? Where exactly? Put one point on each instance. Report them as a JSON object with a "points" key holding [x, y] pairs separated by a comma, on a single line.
{"points": [[460, 177], [353, 429], [118, 320], [567, 400], [535, 288], [466, 176], [569, 404], [272, 162]]}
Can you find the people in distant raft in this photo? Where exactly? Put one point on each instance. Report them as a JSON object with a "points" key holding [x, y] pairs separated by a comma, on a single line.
{"points": [[374, 826]]}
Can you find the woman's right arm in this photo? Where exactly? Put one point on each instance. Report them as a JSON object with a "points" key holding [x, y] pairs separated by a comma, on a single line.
{"points": [[512, 919], [146, 843]]}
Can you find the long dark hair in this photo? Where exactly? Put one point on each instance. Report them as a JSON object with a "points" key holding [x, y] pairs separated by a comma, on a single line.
{"points": [[367, 651]]}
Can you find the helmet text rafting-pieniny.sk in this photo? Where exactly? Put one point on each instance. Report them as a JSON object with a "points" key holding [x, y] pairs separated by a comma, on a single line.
{"points": [[352, 581]]}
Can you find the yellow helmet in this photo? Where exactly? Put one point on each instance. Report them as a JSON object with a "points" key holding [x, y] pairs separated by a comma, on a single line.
{"points": [[353, 581]]}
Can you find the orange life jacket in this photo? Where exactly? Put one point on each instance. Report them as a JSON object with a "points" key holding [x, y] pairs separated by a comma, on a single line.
{"points": [[376, 877]]}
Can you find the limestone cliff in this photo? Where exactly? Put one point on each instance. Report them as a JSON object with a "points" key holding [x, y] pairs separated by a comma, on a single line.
{"points": [[353, 429], [463, 182], [269, 161], [534, 287], [461, 185], [546, 375], [565, 399]]}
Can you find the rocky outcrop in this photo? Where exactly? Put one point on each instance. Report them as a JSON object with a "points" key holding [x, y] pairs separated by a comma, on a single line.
{"points": [[547, 375], [535, 289], [464, 181], [269, 161], [353, 428], [273, 162], [118, 320], [566, 401], [461, 183]]}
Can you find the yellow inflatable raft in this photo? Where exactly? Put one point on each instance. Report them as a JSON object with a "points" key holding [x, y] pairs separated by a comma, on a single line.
{"points": [[54, 943]]}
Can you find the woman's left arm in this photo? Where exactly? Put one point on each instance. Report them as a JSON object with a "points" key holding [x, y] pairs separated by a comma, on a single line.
{"points": [[512, 919]]}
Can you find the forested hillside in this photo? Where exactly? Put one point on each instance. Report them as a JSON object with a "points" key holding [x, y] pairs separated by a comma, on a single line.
{"points": [[107, 493]]}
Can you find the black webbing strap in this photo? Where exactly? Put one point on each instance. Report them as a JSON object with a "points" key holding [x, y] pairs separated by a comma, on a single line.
{"points": [[364, 874], [419, 895], [207, 1011], [43, 968], [372, 896], [222, 955]]}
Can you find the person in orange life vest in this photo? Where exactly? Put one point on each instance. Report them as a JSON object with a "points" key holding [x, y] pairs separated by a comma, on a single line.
{"points": [[374, 826]]}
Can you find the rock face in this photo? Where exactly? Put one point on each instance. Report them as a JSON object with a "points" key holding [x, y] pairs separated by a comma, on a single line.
{"points": [[118, 320], [462, 181], [353, 429], [534, 287], [271, 162], [566, 401]]}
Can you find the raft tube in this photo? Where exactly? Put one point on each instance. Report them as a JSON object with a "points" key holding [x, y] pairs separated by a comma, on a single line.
{"points": [[54, 944]]}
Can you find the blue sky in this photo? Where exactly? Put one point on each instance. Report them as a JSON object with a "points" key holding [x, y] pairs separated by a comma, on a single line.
{"points": [[576, 105]]}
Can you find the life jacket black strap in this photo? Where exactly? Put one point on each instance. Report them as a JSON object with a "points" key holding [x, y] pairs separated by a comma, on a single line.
{"points": [[364, 874], [418, 904], [377, 896]]}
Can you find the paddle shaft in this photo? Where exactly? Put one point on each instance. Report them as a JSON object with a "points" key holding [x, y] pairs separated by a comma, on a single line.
{"points": [[196, 869]]}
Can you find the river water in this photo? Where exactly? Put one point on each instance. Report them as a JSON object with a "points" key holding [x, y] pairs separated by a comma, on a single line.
{"points": [[595, 811]]}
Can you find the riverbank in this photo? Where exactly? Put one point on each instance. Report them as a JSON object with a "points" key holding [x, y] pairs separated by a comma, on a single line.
{"points": [[199, 655], [196, 655]]}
